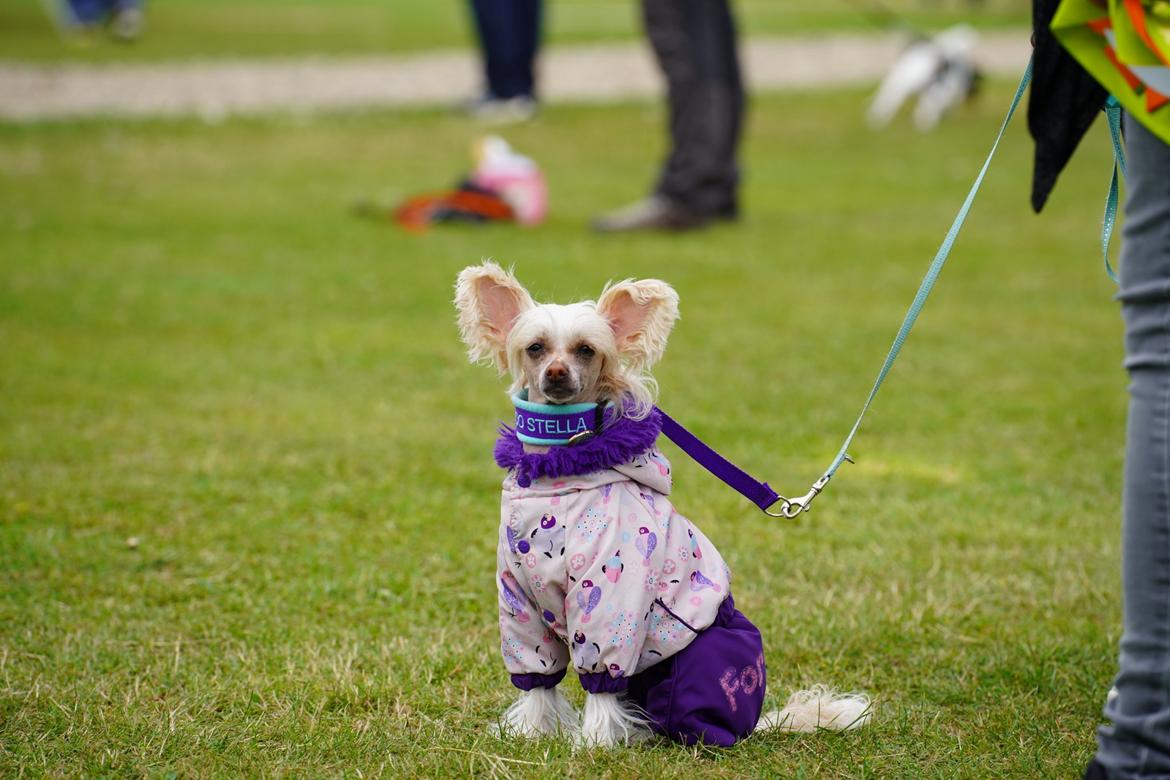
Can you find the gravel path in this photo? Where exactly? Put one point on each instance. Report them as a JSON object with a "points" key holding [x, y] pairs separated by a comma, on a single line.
{"points": [[595, 73]]}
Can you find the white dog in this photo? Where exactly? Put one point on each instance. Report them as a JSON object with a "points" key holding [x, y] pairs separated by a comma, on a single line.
{"points": [[597, 570], [941, 71]]}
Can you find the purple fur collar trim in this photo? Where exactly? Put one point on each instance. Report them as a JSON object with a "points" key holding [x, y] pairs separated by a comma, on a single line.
{"points": [[620, 441]]}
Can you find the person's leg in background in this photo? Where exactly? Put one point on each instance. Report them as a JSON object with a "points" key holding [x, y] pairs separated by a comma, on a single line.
{"points": [[694, 42], [125, 16], [528, 27], [696, 46], [1137, 744], [509, 36], [86, 13]]}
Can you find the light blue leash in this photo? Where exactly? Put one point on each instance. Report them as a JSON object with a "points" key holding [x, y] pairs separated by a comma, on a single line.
{"points": [[1112, 111], [764, 496], [791, 507]]}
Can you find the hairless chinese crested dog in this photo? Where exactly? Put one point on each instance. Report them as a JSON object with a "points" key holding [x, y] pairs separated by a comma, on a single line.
{"points": [[597, 570]]}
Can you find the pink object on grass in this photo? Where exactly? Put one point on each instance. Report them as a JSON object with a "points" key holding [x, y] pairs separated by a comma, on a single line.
{"points": [[515, 178]]}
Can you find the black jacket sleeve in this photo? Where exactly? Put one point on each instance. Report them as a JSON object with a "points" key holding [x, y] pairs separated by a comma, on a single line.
{"points": [[1062, 105]]}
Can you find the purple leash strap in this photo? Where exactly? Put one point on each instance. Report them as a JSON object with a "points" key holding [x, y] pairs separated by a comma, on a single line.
{"points": [[745, 484]]}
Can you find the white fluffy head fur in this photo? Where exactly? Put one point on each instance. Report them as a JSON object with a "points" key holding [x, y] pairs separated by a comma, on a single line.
{"points": [[583, 352]]}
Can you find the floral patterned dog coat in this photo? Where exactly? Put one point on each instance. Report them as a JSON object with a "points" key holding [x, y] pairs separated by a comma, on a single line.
{"points": [[598, 569]]}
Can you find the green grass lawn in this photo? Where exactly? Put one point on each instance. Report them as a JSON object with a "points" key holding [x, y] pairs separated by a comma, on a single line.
{"points": [[181, 29], [204, 352]]}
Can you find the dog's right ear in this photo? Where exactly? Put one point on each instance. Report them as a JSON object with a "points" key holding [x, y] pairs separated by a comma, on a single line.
{"points": [[641, 315], [489, 299]]}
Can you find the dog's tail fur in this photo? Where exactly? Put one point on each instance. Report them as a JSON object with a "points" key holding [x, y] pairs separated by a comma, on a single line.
{"points": [[820, 707]]}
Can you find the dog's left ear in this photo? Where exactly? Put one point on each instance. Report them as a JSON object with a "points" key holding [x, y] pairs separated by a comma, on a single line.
{"points": [[489, 299], [641, 314]]}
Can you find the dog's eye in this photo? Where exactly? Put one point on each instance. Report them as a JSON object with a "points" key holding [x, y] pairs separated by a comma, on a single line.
{"points": [[585, 351], [535, 349]]}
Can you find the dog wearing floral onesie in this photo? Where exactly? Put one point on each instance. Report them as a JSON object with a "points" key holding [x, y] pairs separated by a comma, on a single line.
{"points": [[597, 570]]}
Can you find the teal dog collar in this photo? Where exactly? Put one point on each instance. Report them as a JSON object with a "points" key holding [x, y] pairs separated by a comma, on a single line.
{"points": [[555, 424]]}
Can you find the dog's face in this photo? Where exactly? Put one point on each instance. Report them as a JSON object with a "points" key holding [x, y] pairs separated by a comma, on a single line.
{"points": [[562, 352], [583, 352]]}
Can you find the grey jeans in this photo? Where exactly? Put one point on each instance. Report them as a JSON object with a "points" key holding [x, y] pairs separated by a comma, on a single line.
{"points": [[1137, 744]]}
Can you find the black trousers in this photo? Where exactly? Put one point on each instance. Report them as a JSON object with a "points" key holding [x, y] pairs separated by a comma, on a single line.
{"points": [[695, 43], [509, 35]]}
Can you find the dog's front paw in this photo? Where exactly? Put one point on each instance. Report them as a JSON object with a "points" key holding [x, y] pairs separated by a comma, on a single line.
{"points": [[610, 721], [606, 738], [539, 712]]}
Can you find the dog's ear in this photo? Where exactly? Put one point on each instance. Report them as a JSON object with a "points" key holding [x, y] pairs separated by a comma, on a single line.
{"points": [[641, 314], [488, 299]]}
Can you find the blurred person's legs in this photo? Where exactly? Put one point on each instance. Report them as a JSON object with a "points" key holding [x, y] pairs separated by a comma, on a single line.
{"points": [[87, 13], [694, 41], [1137, 744], [125, 16], [509, 35], [695, 44]]}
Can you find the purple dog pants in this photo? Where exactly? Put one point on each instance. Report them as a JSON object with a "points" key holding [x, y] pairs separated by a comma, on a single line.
{"points": [[712, 691]]}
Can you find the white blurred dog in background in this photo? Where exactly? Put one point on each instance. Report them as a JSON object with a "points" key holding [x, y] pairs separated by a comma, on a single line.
{"points": [[940, 70]]}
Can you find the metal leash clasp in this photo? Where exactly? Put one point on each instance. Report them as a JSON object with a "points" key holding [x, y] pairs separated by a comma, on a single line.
{"points": [[790, 508]]}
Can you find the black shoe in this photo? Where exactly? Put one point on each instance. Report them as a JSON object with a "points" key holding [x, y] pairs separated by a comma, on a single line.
{"points": [[653, 213], [1095, 771], [727, 215], [728, 212]]}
